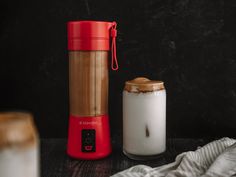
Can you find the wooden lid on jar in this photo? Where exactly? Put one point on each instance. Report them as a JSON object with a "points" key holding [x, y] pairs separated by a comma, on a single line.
{"points": [[17, 129], [142, 84]]}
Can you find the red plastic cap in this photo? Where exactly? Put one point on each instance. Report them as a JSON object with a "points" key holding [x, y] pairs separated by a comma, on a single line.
{"points": [[89, 35]]}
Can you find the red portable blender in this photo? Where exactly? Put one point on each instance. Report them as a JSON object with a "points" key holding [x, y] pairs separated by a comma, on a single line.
{"points": [[89, 44]]}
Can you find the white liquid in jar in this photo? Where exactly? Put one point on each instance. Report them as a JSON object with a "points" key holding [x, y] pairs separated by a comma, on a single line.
{"points": [[144, 122], [16, 162]]}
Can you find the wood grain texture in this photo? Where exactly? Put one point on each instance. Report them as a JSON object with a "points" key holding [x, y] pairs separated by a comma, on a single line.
{"points": [[88, 79], [56, 163]]}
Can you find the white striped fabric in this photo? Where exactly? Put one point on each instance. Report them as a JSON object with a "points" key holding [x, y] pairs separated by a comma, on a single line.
{"points": [[216, 159]]}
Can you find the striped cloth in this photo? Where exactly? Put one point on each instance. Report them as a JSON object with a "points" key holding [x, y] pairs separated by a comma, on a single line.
{"points": [[216, 159]]}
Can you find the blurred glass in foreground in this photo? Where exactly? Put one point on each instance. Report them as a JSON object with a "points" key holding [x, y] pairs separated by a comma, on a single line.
{"points": [[19, 145]]}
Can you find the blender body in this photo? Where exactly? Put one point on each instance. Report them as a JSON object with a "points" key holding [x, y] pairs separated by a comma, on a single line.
{"points": [[89, 131]]}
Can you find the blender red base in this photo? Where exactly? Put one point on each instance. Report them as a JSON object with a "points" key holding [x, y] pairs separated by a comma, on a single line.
{"points": [[89, 137]]}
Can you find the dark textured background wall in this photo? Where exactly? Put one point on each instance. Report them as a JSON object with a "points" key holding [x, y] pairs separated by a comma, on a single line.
{"points": [[189, 44]]}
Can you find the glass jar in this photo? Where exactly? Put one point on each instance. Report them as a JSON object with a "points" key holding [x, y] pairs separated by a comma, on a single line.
{"points": [[144, 118], [19, 145]]}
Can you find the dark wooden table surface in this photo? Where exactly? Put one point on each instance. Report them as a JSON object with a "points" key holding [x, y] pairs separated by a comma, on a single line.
{"points": [[56, 163]]}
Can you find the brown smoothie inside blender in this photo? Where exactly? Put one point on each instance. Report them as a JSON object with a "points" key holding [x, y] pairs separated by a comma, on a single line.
{"points": [[88, 79]]}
